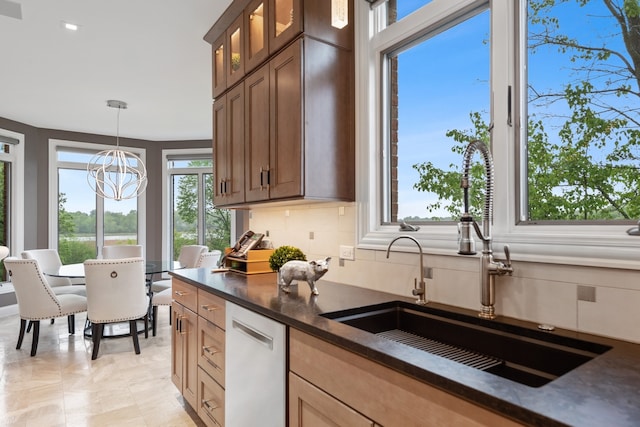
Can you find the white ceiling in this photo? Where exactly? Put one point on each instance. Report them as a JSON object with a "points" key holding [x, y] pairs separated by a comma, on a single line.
{"points": [[148, 53]]}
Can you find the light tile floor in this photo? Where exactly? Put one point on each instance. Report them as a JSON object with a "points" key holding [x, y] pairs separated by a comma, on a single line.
{"points": [[62, 386]]}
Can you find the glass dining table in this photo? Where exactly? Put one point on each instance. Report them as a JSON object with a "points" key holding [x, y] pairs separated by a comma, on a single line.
{"points": [[114, 330]]}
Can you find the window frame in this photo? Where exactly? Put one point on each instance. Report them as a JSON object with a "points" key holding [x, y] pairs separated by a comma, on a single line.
{"points": [[54, 164], [167, 214], [581, 244], [16, 191]]}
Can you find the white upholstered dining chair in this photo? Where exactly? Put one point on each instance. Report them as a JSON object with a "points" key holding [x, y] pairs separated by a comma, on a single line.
{"points": [[121, 251], [164, 296], [37, 301], [188, 258], [116, 292], [49, 260]]}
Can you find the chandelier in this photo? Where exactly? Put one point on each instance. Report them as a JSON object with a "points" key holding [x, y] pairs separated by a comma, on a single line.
{"points": [[117, 174]]}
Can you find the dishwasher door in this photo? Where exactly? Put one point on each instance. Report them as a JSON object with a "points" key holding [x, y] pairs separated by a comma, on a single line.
{"points": [[255, 369]]}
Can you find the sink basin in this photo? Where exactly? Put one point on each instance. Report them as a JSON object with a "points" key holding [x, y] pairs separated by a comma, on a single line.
{"points": [[528, 356]]}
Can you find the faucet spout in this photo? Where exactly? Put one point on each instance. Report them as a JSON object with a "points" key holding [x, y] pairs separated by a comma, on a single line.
{"points": [[419, 289], [490, 268]]}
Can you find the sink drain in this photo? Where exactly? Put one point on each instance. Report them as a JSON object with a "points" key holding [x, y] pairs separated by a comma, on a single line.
{"points": [[460, 355]]}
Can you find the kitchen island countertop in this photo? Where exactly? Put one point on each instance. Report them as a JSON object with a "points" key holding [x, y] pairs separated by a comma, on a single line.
{"points": [[603, 391]]}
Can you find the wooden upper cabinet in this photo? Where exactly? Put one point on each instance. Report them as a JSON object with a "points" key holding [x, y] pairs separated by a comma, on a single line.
{"points": [[228, 147], [256, 91], [295, 118], [287, 109], [218, 67], [234, 57], [256, 22], [285, 17]]}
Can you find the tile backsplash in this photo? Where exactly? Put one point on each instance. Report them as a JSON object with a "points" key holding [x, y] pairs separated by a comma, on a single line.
{"points": [[544, 293]]}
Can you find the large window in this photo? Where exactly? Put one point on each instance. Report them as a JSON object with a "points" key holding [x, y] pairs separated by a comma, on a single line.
{"points": [[550, 86], [11, 196], [193, 219], [583, 133], [85, 222], [433, 96]]}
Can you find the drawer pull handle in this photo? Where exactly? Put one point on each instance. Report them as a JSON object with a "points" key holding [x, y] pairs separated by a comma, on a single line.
{"points": [[210, 308], [209, 351], [209, 406], [214, 364], [181, 293]]}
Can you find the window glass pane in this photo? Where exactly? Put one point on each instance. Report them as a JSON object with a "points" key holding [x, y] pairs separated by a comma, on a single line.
{"points": [[5, 173], [398, 9], [190, 163], [121, 222], [76, 217], [185, 211], [217, 221], [74, 156], [439, 103], [583, 111]]}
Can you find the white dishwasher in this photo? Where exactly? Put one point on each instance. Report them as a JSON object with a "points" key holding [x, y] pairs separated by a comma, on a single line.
{"points": [[255, 369]]}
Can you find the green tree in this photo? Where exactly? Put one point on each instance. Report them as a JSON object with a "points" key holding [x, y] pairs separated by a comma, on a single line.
{"points": [[218, 221], [588, 168]]}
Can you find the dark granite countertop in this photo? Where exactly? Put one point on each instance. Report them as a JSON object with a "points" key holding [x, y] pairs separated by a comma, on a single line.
{"points": [[602, 392]]}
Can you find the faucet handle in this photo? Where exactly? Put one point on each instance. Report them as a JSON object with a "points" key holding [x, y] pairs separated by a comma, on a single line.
{"points": [[507, 255]]}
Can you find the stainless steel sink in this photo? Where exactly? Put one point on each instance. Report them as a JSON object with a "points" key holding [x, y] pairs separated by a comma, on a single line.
{"points": [[527, 356]]}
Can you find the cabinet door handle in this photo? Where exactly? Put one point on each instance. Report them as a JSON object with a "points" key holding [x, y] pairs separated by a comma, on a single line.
{"points": [[221, 190], [210, 308], [181, 293], [268, 177], [261, 177]]}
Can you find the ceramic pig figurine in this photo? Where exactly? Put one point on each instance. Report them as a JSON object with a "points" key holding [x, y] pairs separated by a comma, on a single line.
{"points": [[310, 271]]}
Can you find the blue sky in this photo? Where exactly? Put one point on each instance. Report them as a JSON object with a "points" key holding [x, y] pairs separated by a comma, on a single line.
{"points": [[446, 78]]}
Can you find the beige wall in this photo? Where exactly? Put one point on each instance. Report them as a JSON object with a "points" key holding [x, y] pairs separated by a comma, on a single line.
{"points": [[543, 293]]}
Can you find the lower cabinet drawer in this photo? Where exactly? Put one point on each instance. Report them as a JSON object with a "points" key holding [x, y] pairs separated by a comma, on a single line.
{"points": [[210, 400], [211, 348]]}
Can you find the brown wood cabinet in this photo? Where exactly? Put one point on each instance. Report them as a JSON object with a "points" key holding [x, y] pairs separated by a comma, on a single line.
{"points": [[257, 24], [299, 125], [219, 74], [311, 407], [228, 147], [198, 350], [184, 355], [324, 377], [211, 359]]}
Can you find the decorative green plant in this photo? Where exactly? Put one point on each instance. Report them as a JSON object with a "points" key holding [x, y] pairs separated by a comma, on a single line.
{"points": [[283, 254]]}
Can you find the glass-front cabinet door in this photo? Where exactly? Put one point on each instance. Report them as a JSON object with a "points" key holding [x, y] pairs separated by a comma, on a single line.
{"points": [[234, 56], [257, 24], [219, 72], [286, 21]]}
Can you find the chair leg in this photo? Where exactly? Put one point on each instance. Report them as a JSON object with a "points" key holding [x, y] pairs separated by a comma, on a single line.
{"points": [[154, 319], [71, 322], [29, 326], [133, 330], [146, 326], [96, 334], [53, 321], [23, 326], [34, 337]]}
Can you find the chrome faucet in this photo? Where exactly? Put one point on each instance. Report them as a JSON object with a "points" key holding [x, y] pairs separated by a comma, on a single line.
{"points": [[490, 268], [419, 289]]}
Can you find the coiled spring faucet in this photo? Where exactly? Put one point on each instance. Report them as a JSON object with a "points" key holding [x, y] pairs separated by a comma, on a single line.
{"points": [[466, 245]]}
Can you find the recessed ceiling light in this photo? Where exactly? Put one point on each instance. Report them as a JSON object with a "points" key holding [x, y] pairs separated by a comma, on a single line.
{"points": [[70, 26]]}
